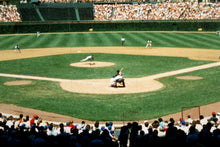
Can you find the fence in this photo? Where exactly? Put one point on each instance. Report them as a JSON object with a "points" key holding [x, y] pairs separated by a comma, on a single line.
{"points": [[83, 26], [193, 111]]}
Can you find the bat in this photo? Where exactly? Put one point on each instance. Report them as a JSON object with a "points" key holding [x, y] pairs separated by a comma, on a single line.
{"points": [[121, 69]]}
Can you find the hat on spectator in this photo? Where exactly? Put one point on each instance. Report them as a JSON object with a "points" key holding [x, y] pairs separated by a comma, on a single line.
{"points": [[183, 122], [45, 127], [111, 132], [23, 125], [145, 121], [102, 128], [50, 127], [35, 116], [68, 123]]}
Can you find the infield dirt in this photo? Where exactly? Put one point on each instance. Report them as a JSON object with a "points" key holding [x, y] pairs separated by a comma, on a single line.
{"points": [[195, 54]]}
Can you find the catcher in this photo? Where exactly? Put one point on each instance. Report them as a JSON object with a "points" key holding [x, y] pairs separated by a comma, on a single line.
{"points": [[118, 78]]}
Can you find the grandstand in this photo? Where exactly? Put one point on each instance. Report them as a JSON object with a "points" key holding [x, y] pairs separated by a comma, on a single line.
{"points": [[28, 12], [56, 12], [121, 11]]}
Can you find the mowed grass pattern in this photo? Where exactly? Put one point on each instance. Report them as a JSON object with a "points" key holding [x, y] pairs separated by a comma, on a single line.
{"points": [[162, 39], [58, 66], [49, 96]]}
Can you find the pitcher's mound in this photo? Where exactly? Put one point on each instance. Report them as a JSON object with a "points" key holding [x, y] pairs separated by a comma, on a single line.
{"points": [[17, 83], [189, 77], [94, 64]]}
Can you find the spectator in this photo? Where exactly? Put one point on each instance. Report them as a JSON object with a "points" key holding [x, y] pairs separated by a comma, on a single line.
{"points": [[203, 121], [34, 120], [161, 123], [189, 119], [51, 130], [213, 118], [192, 137], [124, 135], [145, 127], [171, 134]]}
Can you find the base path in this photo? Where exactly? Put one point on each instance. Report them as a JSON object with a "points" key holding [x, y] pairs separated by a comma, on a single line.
{"points": [[195, 54], [101, 86]]}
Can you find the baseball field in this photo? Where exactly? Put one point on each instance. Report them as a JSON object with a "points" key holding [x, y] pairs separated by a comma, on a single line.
{"points": [[181, 69]]}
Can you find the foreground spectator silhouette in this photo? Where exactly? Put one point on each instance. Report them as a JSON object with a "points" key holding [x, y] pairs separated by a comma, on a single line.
{"points": [[15, 131]]}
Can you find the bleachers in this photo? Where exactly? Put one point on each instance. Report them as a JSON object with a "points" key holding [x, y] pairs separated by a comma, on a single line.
{"points": [[51, 14], [85, 10], [56, 11], [28, 12]]}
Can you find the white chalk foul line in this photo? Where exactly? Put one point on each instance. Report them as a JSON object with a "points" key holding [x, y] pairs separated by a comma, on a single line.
{"points": [[185, 70], [156, 76], [33, 77]]}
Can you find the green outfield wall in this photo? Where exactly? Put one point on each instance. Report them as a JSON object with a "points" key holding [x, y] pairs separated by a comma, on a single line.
{"points": [[83, 26]]}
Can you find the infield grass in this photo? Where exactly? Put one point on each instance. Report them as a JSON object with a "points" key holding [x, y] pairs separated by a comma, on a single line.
{"points": [[58, 66]]}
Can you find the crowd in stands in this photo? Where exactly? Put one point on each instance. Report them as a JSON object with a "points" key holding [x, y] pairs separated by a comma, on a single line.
{"points": [[9, 13], [142, 11], [157, 11], [15, 131]]}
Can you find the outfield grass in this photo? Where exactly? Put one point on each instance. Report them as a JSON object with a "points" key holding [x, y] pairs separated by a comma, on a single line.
{"points": [[49, 96], [161, 39]]}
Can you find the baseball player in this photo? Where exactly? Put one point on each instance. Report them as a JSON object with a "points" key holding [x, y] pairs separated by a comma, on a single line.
{"points": [[38, 34], [118, 78], [122, 41], [149, 42], [88, 58], [17, 48]]}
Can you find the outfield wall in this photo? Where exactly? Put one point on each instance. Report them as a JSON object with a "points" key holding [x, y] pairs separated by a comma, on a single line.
{"points": [[83, 26]]}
